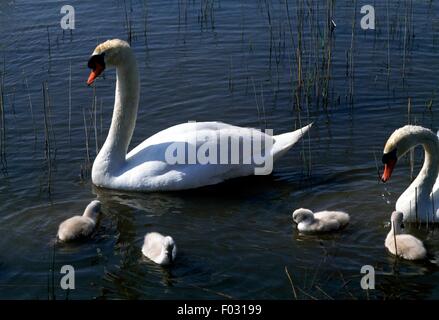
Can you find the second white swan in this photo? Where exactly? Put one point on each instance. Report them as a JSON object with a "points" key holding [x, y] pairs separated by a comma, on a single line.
{"points": [[420, 201], [149, 166]]}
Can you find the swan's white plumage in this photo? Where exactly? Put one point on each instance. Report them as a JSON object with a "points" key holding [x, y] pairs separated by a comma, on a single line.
{"points": [[145, 168], [80, 226], [420, 201], [158, 248], [322, 221], [407, 246]]}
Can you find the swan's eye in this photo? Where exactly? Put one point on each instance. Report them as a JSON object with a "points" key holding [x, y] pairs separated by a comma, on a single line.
{"points": [[390, 157], [96, 60]]}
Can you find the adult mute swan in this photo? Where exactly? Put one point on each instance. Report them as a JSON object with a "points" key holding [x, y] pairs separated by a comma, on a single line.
{"points": [[323, 221], [153, 165], [160, 249], [407, 246], [420, 201], [80, 226]]}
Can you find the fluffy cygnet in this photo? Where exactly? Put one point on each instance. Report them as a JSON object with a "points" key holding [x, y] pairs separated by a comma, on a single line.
{"points": [[160, 249], [407, 246], [80, 226], [323, 221]]}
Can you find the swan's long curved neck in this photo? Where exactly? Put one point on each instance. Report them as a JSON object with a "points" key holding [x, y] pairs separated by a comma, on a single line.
{"points": [[395, 229], [424, 182], [113, 153]]}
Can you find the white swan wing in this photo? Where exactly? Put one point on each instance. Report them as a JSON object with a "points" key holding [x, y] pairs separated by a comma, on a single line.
{"points": [[148, 166]]}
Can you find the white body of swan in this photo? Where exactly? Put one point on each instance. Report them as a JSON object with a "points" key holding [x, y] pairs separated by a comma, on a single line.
{"points": [[80, 226], [323, 221], [147, 166], [158, 248], [407, 246], [420, 201]]}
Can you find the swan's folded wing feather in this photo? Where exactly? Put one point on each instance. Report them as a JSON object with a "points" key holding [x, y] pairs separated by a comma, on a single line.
{"points": [[283, 142], [147, 163]]}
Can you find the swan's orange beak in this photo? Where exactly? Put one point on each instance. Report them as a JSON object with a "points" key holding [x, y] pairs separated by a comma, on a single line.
{"points": [[388, 169], [95, 73]]}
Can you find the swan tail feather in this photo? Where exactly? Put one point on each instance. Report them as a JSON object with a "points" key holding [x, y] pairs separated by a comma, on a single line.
{"points": [[283, 142]]}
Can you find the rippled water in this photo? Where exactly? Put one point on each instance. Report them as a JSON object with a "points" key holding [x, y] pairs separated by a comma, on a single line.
{"points": [[232, 61]]}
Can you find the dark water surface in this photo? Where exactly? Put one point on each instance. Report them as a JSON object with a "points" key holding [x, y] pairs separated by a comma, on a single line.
{"points": [[231, 61]]}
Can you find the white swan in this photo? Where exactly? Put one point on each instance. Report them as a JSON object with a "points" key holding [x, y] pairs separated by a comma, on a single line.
{"points": [[407, 246], [80, 226], [420, 201], [147, 167], [160, 249], [323, 221]]}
